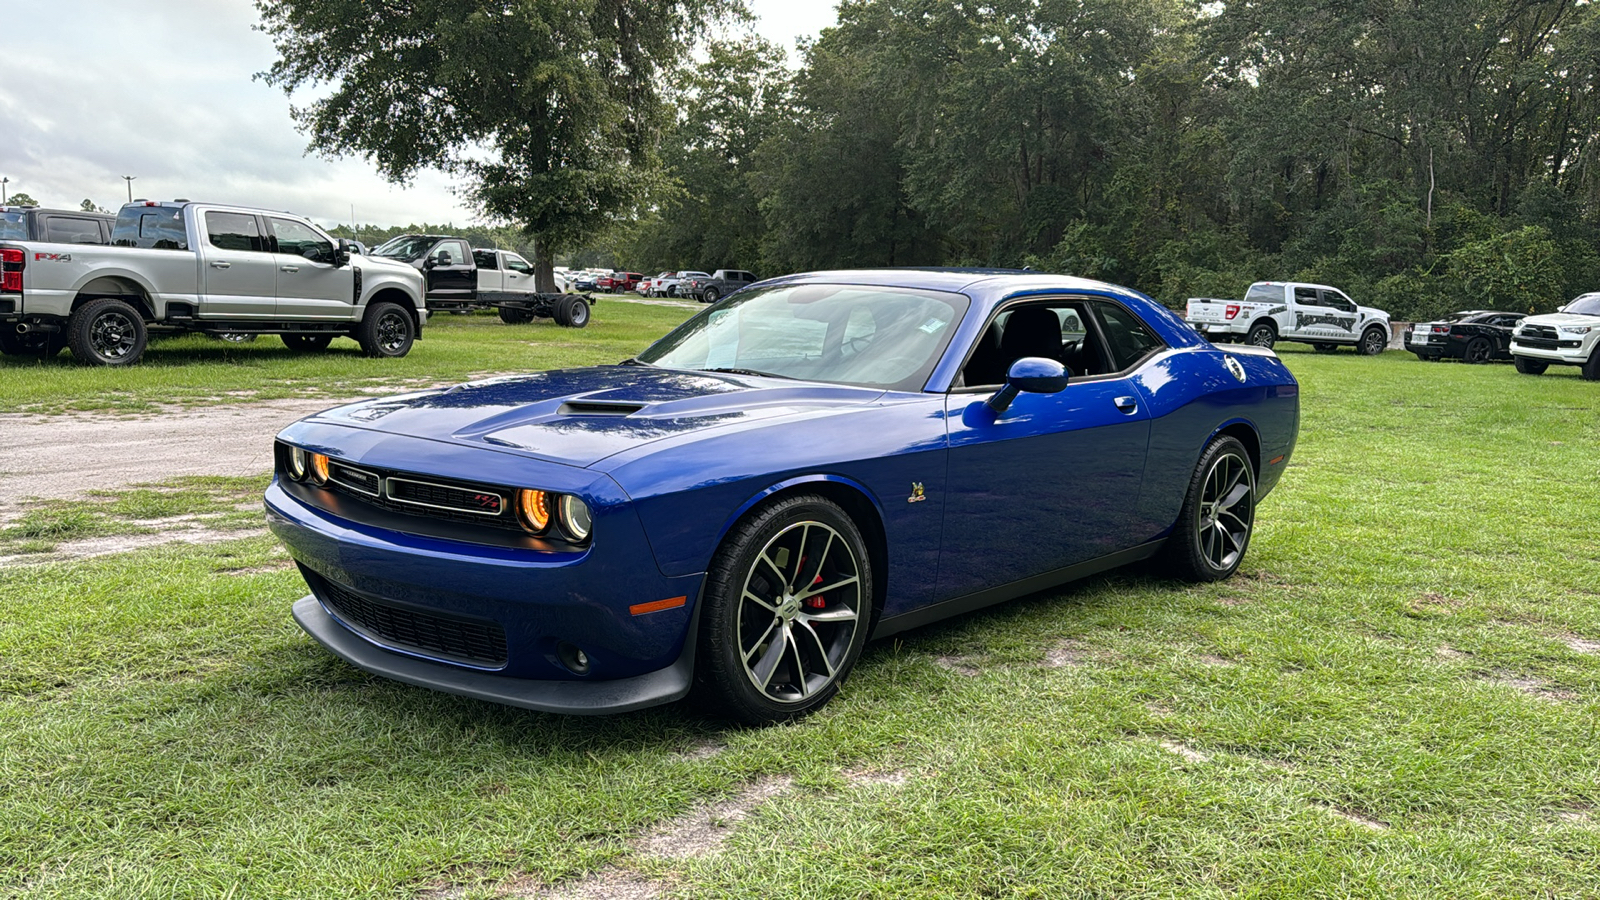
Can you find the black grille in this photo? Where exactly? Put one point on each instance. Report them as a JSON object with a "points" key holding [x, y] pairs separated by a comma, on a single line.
{"points": [[475, 641], [1542, 336], [359, 480], [483, 502]]}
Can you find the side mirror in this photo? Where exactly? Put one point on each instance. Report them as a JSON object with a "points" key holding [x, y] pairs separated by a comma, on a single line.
{"points": [[341, 252], [1031, 374]]}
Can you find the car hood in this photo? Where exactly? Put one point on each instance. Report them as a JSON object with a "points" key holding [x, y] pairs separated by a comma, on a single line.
{"points": [[1558, 319], [578, 417], [1370, 313], [387, 264]]}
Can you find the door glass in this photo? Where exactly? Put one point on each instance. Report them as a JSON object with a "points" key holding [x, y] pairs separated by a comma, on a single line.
{"points": [[1338, 301], [518, 264], [1307, 296], [234, 231], [1129, 339], [297, 239]]}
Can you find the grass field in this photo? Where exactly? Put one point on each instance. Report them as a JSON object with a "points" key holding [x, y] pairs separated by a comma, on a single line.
{"points": [[1396, 697]]}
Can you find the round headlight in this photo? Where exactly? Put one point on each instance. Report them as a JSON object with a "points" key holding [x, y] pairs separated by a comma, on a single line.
{"points": [[533, 509], [575, 520], [319, 469], [297, 464]]}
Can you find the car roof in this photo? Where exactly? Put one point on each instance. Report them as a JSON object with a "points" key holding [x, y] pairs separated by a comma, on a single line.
{"points": [[984, 285]]}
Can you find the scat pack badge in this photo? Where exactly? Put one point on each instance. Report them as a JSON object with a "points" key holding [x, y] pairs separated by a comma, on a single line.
{"points": [[917, 496]]}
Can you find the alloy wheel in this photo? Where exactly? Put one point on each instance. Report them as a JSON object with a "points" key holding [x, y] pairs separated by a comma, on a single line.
{"points": [[799, 608]]}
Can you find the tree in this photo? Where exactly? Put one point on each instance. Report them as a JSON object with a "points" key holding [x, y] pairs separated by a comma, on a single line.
{"points": [[89, 206], [21, 199], [549, 109]]}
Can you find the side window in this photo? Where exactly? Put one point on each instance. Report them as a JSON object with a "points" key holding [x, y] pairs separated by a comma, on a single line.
{"points": [[1127, 337], [456, 250], [518, 264], [1338, 301], [297, 239], [153, 228], [72, 230], [234, 231], [1307, 296], [487, 259], [1053, 330]]}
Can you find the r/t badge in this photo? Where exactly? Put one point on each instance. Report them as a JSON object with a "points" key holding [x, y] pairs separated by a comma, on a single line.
{"points": [[917, 496]]}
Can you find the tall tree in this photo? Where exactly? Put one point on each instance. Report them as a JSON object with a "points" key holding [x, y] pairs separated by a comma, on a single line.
{"points": [[548, 108]]}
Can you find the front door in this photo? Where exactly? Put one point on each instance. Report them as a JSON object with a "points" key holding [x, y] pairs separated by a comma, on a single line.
{"points": [[450, 271], [239, 274], [310, 286], [1054, 480], [1323, 316]]}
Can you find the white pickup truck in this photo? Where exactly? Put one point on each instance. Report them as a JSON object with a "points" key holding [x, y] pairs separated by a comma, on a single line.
{"points": [[1275, 311], [184, 266]]}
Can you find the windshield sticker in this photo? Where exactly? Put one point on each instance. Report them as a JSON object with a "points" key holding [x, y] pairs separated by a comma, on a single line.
{"points": [[933, 326]]}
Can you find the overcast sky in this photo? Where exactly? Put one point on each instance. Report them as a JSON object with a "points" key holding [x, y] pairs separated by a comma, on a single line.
{"points": [[91, 90]]}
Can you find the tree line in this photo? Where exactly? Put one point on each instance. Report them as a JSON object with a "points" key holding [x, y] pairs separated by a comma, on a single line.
{"points": [[1424, 156]]}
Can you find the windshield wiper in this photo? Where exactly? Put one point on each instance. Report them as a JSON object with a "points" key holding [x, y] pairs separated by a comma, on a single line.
{"points": [[635, 361], [729, 370]]}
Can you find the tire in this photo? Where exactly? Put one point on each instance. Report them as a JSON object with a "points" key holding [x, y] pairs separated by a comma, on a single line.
{"points": [[107, 332], [387, 332], [1262, 334], [576, 313], [1373, 342], [710, 295], [1325, 347], [1530, 366], [1213, 532], [559, 311], [307, 343], [1477, 351], [1591, 367], [512, 316], [765, 653]]}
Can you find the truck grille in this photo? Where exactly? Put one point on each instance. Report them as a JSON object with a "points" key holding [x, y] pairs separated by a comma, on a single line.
{"points": [[477, 642], [1540, 336]]}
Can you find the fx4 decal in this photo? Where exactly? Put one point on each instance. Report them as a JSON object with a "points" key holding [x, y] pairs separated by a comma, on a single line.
{"points": [[52, 257]]}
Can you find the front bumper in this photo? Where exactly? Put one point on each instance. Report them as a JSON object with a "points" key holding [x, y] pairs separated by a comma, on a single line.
{"points": [[490, 621], [1572, 354]]}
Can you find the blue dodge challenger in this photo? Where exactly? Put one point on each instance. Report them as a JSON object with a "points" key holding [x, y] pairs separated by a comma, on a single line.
{"points": [[816, 460]]}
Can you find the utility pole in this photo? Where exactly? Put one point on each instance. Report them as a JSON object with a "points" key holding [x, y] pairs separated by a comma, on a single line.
{"points": [[129, 179]]}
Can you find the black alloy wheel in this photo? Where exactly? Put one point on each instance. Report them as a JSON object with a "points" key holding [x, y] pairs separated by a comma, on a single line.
{"points": [[710, 295], [307, 343], [1373, 342], [106, 332], [788, 603], [1262, 335], [386, 332], [1218, 515], [1478, 351]]}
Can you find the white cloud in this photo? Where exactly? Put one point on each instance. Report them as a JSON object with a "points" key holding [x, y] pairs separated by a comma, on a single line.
{"points": [[164, 91]]}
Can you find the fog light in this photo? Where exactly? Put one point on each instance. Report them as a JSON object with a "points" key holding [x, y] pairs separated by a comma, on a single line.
{"points": [[319, 469], [573, 658]]}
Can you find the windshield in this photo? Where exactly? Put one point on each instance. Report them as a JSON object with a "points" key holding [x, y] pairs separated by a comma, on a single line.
{"points": [[13, 226], [862, 335], [406, 247], [1585, 305]]}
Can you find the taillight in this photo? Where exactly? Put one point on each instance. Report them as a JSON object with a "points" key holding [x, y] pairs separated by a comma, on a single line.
{"points": [[1233, 310], [11, 264]]}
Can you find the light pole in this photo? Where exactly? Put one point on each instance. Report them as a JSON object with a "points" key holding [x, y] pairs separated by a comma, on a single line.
{"points": [[129, 179], [3, 183]]}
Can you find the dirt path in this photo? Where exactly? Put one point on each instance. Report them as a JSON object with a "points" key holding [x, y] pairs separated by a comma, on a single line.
{"points": [[63, 456]]}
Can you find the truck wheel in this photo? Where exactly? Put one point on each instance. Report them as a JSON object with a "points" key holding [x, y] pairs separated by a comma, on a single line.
{"points": [[1591, 368], [307, 343], [1262, 334], [1325, 347], [106, 332], [515, 316], [572, 312], [710, 296], [386, 331], [1531, 366], [1373, 342]]}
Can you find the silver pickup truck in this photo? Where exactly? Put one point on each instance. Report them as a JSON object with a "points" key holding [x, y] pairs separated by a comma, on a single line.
{"points": [[184, 266]]}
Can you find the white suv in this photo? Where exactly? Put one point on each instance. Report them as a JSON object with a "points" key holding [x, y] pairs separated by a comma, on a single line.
{"points": [[1570, 336]]}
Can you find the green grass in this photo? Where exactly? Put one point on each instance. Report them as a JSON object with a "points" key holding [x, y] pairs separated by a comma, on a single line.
{"points": [[193, 370], [1392, 699], [215, 502]]}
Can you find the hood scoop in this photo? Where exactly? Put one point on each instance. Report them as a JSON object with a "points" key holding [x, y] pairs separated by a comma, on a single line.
{"points": [[598, 408]]}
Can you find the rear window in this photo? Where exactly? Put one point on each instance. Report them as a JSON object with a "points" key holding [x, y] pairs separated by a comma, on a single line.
{"points": [[150, 227], [1264, 293], [72, 230], [13, 226]]}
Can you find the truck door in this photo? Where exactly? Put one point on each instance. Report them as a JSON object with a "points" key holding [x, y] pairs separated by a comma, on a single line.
{"points": [[519, 275], [240, 274], [450, 272], [310, 286]]}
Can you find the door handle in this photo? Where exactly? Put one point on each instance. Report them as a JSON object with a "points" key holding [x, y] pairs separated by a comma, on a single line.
{"points": [[220, 264], [1127, 404], [291, 268]]}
